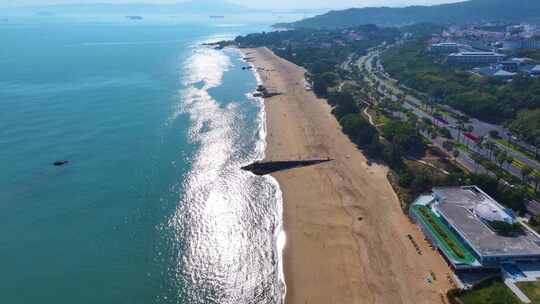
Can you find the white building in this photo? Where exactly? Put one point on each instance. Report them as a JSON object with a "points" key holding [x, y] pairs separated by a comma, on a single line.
{"points": [[475, 58], [529, 43], [444, 48]]}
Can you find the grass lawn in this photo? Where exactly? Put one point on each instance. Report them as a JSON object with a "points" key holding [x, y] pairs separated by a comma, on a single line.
{"points": [[446, 238], [495, 292], [531, 289]]}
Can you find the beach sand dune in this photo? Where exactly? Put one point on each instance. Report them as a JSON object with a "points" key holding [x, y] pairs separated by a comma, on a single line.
{"points": [[346, 234]]}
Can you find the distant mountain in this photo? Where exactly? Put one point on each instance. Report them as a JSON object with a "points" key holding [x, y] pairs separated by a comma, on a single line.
{"points": [[192, 6], [462, 12]]}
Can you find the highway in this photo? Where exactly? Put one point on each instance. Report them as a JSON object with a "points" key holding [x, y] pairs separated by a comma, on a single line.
{"points": [[389, 88]]}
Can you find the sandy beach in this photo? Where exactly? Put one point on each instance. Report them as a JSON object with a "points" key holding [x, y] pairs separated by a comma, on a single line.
{"points": [[347, 237]]}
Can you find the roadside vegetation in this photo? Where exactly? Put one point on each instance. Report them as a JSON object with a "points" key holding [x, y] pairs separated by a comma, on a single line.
{"points": [[491, 291], [527, 124], [531, 290], [515, 103]]}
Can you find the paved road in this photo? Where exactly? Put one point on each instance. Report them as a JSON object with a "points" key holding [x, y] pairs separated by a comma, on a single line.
{"points": [[480, 129]]}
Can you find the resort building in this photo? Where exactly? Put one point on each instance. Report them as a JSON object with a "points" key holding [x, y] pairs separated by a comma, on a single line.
{"points": [[531, 69], [444, 48], [522, 43], [494, 72], [475, 58], [473, 231], [511, 65]]}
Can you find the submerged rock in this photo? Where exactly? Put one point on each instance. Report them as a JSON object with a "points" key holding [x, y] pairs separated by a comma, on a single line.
{"points": [[61, 163]]}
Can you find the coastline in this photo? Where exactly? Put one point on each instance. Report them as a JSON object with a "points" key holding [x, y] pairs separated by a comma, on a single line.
{"points": [[280, 236], [347, 237]]}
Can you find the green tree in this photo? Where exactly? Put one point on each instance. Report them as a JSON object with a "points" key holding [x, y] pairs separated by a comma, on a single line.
{"points": [[526, 172], [490, 146], [375, 148], [420, 183], [358, 129], [320, 87], [494, 134], [344, 104], [502, 158], [485, 182], [536, 181], [404, 135], [393, 155]]}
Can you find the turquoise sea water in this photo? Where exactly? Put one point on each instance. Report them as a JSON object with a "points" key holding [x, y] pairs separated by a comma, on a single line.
{"points": [[152, 207]]}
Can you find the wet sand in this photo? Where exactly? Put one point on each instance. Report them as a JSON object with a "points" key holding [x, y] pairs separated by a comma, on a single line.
{"points": [[346, 233]]}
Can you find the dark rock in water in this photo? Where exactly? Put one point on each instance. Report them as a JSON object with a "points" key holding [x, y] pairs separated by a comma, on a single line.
{"points": [[61, 163]]}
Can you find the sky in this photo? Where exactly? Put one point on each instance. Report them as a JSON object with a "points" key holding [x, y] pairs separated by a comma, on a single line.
{"points": [[250, 3]]}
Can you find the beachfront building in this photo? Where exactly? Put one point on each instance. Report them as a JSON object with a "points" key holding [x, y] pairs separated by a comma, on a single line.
{"points": [[495, 72], [511, 65], [522, 43], [473, 231], [473, 58], [444, 48], [531, 69]]}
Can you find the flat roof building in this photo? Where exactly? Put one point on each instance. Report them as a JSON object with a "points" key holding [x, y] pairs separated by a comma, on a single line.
{"points": [[465, 224], [522, 43], [494, 72], [444, 48], [475, 58], [531, 69]]}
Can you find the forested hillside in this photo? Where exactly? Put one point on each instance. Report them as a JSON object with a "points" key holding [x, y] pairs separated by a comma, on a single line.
{"points": [[463, 12]]}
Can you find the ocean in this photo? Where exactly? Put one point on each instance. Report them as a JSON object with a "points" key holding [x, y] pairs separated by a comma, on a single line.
{"points": [[152, 206]]}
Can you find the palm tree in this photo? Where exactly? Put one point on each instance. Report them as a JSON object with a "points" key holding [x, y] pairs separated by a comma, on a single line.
{"points": [[509, 160], [536, 147], [502, 157], [536, 181], [460, 128], [492, 149], [526, 172]]}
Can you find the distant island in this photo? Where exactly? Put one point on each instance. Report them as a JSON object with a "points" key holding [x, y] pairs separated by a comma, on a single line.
{"points": [[44, 14], [135, 17], [213, 7]]}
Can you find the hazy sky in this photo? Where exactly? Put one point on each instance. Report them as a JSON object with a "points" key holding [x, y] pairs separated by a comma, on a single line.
{"points": [[252, 3]]}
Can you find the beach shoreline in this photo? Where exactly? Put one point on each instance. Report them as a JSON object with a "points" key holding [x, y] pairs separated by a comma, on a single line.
{"points": [[279, 233], [347, 237]]}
